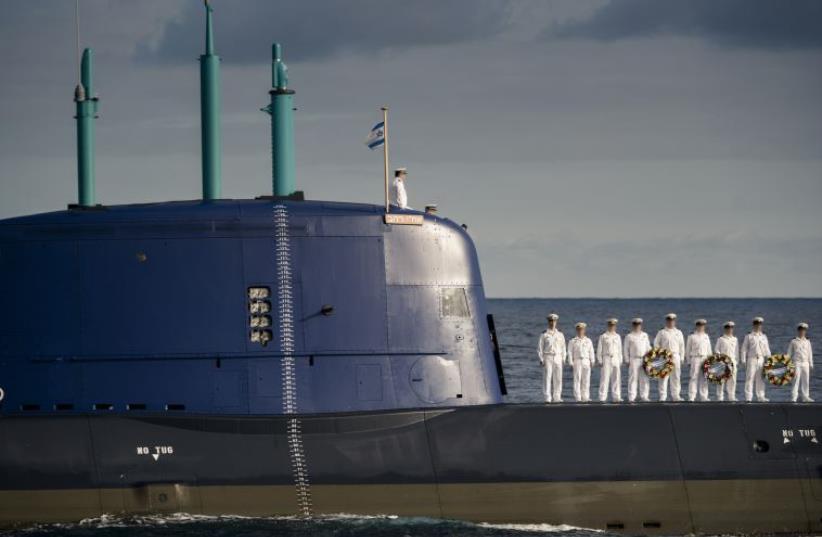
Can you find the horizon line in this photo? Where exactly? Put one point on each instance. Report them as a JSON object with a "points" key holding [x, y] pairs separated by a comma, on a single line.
{"points": [[654, 298]]}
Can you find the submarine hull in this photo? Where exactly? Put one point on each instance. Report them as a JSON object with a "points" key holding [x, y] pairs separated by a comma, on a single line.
{"points": [[667, 468]]}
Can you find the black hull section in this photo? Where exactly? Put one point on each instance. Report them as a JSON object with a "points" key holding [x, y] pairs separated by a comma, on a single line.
{"points": [[639, 468]]}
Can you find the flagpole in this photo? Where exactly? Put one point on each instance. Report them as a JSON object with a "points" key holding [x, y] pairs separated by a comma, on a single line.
{"points": [[385, 154]]}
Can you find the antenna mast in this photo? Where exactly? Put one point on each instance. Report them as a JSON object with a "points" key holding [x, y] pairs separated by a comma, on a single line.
{"points": [[86, 112], [79, 91], [281, 110], [210, 114]]}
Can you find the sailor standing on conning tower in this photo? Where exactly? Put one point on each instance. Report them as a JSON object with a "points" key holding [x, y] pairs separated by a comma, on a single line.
{"points": [[609, 358], [551, 351], [755, 350], [799, 349], [637, 344], [581, 356], [671, 338], [697, 350], [401, 196], [728, 345]]}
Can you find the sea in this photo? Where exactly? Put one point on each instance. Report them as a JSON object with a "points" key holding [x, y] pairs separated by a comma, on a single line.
{"points": [[519, 323]]}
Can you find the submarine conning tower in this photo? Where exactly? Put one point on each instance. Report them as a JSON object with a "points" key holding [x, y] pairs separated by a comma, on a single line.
{"points": [[266, 306]]}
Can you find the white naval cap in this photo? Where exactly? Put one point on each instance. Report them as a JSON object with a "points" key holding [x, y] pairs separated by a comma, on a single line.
{"points": [[552, 317], [700, 322], [670, 317], [636, 320], [802, 326], [401, 170], [729, 324], [582, 325], [758, 320], [612, 321]]}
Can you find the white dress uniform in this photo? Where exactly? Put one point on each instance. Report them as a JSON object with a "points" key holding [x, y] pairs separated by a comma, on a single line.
{"points": [[609, 358], [729, 346], [673, 340], [401, 196], [581, 356], [799, 350], [754, 350], [697, 350], [551, 351], [637, 344]]}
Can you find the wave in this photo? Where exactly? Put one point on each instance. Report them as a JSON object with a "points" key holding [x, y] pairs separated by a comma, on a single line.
{"points": [[540, 528], [332, 524]]}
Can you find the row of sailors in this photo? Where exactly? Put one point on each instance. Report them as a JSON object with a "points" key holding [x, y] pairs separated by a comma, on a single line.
{"points": [[612, 352]]}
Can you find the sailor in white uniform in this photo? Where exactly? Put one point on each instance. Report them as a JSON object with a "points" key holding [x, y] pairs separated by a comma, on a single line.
{"points": [[609, 358], [637, 344], [581, 357], [752, 355], [728, 345], [800, 351], [551, 351], [400, 195], [671, 338], [697, 350]]}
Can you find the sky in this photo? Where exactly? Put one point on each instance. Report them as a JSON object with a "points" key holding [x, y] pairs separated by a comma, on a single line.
{"points": [[594, 148]]}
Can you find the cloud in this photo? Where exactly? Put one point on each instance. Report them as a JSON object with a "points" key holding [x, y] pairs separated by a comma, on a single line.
{"points": [[770, 24], [314, 29]]}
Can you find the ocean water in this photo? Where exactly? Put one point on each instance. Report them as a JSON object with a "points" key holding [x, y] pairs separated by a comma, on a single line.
{"points": [[519, 323], [183, 525]]}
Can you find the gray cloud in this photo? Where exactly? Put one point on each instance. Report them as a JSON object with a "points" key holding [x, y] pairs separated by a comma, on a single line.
{"points": [[774, 24], [313, 29]]}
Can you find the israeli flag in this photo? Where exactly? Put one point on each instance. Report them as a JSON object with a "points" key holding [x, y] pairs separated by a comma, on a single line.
{"points": [[377, 136]]}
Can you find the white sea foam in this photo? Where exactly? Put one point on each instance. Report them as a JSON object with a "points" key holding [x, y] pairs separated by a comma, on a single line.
{"points": [[132, 521], [538, 528]]}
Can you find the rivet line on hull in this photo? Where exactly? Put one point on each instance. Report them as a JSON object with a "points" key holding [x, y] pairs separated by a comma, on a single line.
{"points": [[285, 302]]}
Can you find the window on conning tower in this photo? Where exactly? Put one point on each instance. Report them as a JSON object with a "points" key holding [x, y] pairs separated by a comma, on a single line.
{"points": [[259, 303], [454, 302]]}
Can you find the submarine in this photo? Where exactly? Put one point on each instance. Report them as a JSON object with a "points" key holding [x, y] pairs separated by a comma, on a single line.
{"points": [[283, 356]]}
